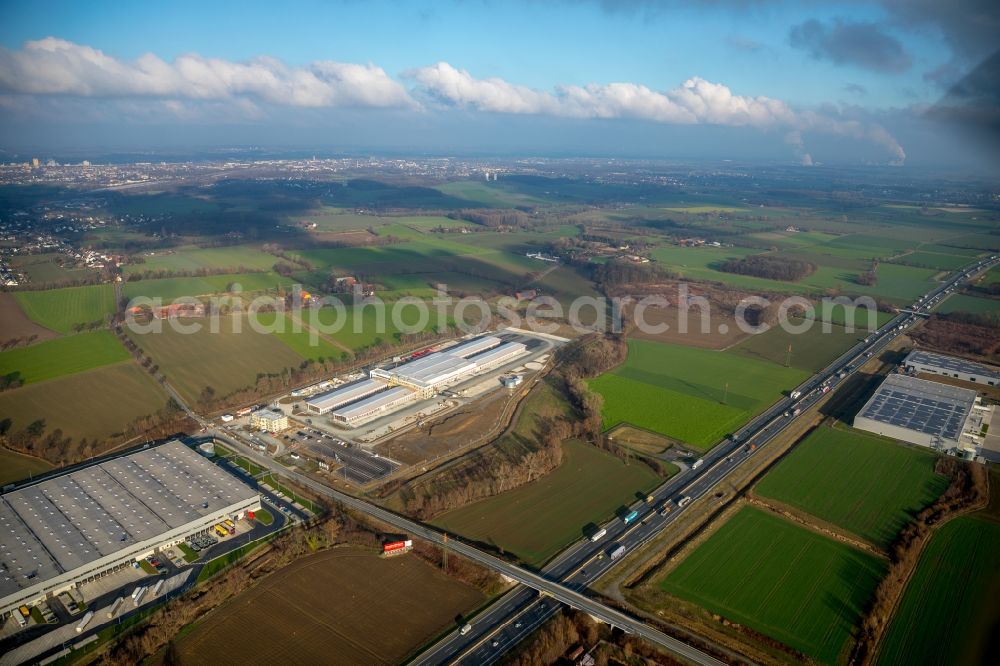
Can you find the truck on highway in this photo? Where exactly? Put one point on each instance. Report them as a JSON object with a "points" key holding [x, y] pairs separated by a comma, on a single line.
{"points": [[627, 515], [697, 463], [666, 507], [82, 624], [466, 628], [598, 535], [795, 395], [684, 501], [649, 499], [616, 550]]}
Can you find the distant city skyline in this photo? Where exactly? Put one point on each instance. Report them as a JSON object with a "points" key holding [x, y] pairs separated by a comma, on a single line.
{"points": [[842, 82]]}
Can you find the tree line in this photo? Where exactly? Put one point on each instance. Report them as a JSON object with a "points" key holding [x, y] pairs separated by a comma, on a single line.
{"points": [[492, 217], [770, 267]]}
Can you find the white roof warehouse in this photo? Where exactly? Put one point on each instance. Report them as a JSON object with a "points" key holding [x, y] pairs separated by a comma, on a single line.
{"points": [[92, 520]]}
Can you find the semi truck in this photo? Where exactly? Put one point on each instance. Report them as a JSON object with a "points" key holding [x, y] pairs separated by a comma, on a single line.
{"points": [[139, 594], [466, 628], [629, 516], [598, 535], [665, 508], [115, 606], [795, 395], [616, 550], [159, 586], [82, 624], [684, 501], [697, 463]]}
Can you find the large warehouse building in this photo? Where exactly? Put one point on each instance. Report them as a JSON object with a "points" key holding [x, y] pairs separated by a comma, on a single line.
{"points": [[389, 388], [428, 374], [917, 411], [373, 405], [321, 404], [97, 519], [951, 366]]}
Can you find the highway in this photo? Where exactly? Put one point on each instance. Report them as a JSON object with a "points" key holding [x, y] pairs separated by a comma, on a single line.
{"points": [[522, 610], [527, 606]]}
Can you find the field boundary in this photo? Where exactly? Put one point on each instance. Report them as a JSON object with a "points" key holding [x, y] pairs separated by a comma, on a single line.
{"points": [[813, 524], [907, 578]]}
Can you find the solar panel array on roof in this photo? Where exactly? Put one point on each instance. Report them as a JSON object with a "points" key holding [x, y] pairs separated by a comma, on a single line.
{"points": [[68, 521], [920, 405], [953, 364]]}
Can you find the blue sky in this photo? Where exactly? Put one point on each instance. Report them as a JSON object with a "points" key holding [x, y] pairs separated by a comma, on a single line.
{"points": [[851, 62]]}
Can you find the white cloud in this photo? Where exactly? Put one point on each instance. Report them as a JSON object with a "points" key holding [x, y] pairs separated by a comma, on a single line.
{"points": [[192, 86], [54, 66], [696, 101]]}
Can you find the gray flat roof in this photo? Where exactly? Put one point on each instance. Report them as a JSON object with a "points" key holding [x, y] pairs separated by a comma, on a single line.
{"points": [[950, 363], [474, 346], [68, 521], [920, 405], [373, 402], [346, 394], [485, 357], [430, 369]]}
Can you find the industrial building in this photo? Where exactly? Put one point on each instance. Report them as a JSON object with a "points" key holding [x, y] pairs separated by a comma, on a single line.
{"points": [[269, 420], [389, 388], [373, 405], [321, 404], [917, 411], [951, 366], [428, 374], [94, 520]]}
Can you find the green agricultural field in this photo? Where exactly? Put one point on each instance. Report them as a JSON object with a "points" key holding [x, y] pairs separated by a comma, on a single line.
{"points": [[693, 395], [43, 269], [707, 208], [973, 304], [492, 194], [194, 258], [937, 260], [538, 520], [15, 466], [839, 271], [94, 404], [60, 309], [867, 485], [783, 580], [860, 317], [951, 606], [225, 361], [168, 289], [298, 338], [811, 350], [362, 326], [62, 356]]}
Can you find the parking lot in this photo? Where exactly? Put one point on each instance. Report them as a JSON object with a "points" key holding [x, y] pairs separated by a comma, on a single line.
{"points": [[357, 465]]}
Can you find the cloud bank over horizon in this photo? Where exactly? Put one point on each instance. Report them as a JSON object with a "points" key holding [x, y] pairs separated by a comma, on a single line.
{"points": [[53, 68]]}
